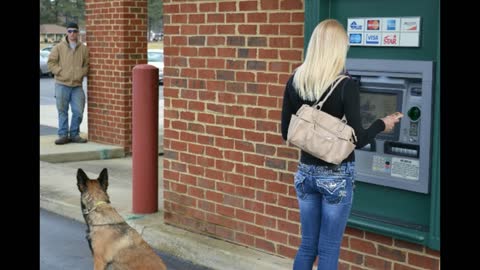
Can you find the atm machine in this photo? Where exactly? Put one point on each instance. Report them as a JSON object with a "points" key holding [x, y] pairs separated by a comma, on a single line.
{"points": [[400, 158]]}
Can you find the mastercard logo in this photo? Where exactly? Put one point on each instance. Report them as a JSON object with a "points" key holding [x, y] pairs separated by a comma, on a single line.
{"points": [[373, 25]]}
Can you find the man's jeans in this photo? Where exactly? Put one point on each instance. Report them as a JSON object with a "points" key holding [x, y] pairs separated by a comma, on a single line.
{"points": [[75, 97], [325, 198]]}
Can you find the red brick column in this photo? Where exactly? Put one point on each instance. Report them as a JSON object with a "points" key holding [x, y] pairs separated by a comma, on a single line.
{"points": [[117, 41]]}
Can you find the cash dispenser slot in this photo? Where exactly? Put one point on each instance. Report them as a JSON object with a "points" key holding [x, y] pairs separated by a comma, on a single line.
{"points": [[402, 149]]}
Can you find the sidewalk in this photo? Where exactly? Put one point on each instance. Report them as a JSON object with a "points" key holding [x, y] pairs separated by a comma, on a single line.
{"points": [[59, 194]]}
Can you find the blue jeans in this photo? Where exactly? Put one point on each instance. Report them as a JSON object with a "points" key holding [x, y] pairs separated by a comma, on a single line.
{"points": [[325, 198], [75, 97]]}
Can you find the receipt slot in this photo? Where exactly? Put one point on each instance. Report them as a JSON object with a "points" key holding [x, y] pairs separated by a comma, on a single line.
{"points": [[400, 158]]}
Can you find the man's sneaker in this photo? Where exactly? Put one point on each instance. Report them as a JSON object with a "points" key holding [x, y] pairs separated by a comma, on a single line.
{"points": [[62, 140], [78, 139]]}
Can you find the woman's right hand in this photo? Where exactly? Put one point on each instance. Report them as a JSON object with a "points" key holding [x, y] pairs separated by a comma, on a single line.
{"points": [[391, 120]]}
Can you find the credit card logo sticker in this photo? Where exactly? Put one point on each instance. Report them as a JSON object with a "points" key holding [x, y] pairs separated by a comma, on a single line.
{"points": [[410, 26], [391, 25], [355, 38], [372, 39], [373, 24], [391, 31], [356, 26], [390, 40]]}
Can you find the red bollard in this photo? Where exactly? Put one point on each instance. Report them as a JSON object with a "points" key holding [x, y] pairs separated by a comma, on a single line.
{"points": [[145, 139]]}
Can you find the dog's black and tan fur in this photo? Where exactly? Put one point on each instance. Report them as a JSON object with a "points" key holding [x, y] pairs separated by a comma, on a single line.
{"points": [[113, 242]]}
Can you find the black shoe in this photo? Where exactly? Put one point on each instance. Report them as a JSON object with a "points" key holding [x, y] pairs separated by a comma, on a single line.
{"points": [[62, 140], [78, 139]]}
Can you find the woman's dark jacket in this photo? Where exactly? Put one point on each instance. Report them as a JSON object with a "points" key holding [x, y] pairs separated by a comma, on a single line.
{"points": [[339, 103]]}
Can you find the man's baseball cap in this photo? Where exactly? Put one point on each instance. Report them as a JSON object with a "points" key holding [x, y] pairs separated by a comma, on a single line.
{"points": [[72, 25]]}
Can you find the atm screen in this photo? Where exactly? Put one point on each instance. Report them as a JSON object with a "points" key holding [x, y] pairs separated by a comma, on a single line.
{"points": [[376, 104]]}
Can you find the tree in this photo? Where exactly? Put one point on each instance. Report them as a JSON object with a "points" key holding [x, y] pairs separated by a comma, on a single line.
{"points": [[155, 15], [47, 14], [62, 11]]}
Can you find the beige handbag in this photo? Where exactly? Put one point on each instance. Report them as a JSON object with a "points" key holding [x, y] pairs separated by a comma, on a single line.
{"points": [[321, 134]]}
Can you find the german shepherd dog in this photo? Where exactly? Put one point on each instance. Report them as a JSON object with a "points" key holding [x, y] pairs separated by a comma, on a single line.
{"points": [[113, 243]]}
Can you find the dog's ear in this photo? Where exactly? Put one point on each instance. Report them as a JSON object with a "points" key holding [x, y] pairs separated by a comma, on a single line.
{"points": [[82, 179], [103, 179]]}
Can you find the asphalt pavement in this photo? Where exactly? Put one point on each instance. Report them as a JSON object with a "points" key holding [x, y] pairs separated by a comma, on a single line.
{"points": [[74, 253], [46, 130]]}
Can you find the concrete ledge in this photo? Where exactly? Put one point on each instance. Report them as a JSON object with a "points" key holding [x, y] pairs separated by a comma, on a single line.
{"points": [[52, 153], [81, 156], [211, 252], [60, 208]]}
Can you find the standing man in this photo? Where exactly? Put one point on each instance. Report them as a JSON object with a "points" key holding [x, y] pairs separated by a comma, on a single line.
{"points": [[68, 61]]}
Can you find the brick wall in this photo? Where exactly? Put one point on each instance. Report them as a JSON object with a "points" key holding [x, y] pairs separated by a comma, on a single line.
{"points": [[365, 250], [227, 171], [117, 42]]}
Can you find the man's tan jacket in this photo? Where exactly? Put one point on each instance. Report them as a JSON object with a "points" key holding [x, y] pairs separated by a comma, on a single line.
{"points": [[68, 65]]}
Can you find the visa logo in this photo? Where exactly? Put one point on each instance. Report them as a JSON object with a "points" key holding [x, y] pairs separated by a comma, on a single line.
{"points": [[372, 39]]}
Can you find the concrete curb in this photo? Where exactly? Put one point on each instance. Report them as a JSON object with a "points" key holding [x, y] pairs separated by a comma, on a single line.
{"points": [[210, 252], [81, 156], [52, 153], [71, 152]]}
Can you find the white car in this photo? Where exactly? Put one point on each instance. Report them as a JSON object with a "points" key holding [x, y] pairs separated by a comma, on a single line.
{"points": [[43, 63], [47, 49], [155, 58]]}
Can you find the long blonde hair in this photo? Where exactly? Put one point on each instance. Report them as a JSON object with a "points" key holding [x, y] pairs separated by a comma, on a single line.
{"points": [[324, 61]]}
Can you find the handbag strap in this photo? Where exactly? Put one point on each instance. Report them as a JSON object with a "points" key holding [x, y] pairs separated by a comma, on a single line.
{"points": [[320, 103], [334, 85]]}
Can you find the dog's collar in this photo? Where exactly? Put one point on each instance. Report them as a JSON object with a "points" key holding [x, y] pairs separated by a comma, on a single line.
{"points": [[86, 211], [109, 224]]}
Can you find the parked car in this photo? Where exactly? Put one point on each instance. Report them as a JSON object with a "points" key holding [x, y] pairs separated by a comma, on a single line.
{"points": [[155, 58], [156, 37], [43, 63], [47, 49]]}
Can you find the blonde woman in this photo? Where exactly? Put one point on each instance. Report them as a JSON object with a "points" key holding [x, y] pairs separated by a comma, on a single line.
{"points": [[324, 190]]}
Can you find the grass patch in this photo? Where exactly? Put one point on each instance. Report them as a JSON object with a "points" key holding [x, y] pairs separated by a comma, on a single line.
{"points": [[43, 45], [155, 45]]}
